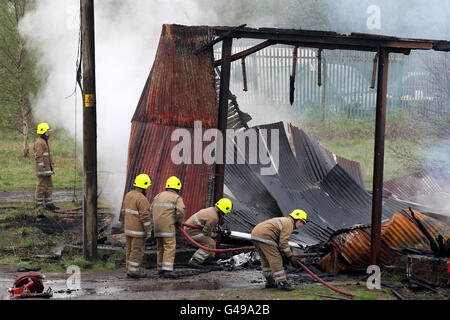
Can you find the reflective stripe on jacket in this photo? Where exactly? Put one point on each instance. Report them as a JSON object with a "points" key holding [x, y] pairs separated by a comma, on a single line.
{"points": [[276, 231], [136, 210], [43, 157], [206, 218], [167, 209]]}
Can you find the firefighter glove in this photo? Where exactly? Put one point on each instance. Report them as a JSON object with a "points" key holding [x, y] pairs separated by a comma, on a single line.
{"points": [[293, 260]]}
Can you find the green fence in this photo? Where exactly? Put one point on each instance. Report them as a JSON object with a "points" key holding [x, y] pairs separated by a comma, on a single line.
{"points": [[345, 83]]}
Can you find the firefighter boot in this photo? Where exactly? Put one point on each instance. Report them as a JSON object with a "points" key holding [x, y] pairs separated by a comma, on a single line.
{"points": [[167, 274], [137, 276], [284, 285], [270, 283], [51, 207], [195, 264]]}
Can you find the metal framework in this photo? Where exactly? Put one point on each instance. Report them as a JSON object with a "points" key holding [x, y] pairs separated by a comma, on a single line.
{"points": [[382, 45]]}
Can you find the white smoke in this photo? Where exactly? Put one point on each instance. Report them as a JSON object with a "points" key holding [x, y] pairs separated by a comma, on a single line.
{"points": [[127, 34], [399, 18]]}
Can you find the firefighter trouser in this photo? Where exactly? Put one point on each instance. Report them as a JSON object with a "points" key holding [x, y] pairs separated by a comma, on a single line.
{"points": [[135, 253], [44, 190], [201, 255], [165, 253], [271, 261]]}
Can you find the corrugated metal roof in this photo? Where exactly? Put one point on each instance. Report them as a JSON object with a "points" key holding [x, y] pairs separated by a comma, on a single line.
{"points": [[150, 152], [179, 90], [181, 86], [289, 171], [311, 157]]}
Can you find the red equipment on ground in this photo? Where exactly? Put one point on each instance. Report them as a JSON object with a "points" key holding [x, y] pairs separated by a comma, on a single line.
{"points": [[29, 285]]}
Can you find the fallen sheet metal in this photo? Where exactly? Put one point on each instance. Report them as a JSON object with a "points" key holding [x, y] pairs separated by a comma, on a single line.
{"points": [[316, 161], [350, 249], [307, 180], [428, 189]]}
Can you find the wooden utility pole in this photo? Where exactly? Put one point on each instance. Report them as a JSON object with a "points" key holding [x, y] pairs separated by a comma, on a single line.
{"points": [[380, 123], [89, 132]]}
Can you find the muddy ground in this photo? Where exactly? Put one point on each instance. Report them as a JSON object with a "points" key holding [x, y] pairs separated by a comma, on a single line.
{"points": [[245, 284], [26, 196]]}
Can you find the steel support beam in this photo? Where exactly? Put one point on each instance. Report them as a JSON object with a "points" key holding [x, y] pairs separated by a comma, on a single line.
{"points": [[223, 114], [380, 124], [222, 123], [247, 52]]}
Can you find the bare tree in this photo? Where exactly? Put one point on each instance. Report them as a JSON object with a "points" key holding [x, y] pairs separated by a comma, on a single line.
{"points": [[16, 71]]}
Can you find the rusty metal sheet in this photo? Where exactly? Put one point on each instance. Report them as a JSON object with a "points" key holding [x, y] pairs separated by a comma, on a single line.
{"points": [[351, 248], [180, 88], [150, 152]]}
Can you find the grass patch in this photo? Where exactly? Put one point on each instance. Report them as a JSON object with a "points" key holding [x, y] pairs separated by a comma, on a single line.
{"points": [[25, 231], [306, 292], [362, 150], [18, 172]]}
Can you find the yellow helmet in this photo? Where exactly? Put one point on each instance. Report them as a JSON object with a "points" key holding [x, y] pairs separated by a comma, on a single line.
{"points": [[173, 183], [225, 205], [43, 128], [299, 215], [142, 181]]}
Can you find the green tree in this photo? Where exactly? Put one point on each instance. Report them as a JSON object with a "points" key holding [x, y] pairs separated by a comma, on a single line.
{"points": [[17, 71]]}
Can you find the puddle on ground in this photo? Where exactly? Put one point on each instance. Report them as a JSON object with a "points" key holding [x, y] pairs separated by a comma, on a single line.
{"points": [[60, 290], [28, 196], [175, 285]]}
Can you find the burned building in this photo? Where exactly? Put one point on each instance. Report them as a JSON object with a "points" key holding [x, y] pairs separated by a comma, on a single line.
{"points": [[182, 89]]}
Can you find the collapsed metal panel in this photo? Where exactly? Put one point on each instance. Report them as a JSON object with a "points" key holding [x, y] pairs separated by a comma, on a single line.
{"points": [[316, 161], [330, 196], [351, 248], [424, 182]]}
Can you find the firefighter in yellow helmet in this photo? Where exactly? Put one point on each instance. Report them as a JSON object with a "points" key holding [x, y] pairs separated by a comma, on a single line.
{"points": [[270, 238], [138, 226], [44, 169], [208, 220], [168, 210]]}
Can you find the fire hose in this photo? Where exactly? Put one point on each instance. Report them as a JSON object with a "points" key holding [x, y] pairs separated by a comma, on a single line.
{"points": [[210, 249], [253, 248], [323, 282]]}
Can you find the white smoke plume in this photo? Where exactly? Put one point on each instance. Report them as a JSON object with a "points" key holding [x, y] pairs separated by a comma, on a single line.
{"points": [[127, 34]]}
